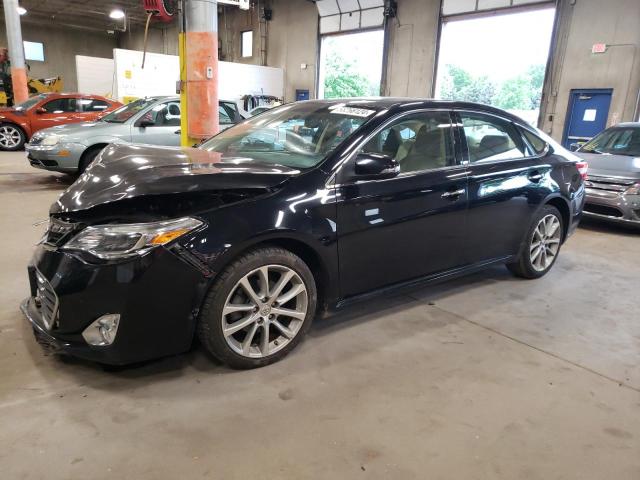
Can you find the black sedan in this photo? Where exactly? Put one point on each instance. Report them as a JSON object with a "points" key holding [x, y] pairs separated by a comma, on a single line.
{"points": [[300, 210]]}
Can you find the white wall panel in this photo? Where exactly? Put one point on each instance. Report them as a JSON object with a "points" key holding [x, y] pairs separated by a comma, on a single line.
{"points": [[161, 72], [95, 75]]}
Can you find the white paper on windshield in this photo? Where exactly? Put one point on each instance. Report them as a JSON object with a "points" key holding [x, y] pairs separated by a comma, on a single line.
{"points": [[353, 112]]}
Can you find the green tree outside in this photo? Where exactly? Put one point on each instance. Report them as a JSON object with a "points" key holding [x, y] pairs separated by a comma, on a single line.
{"points": [[519, 93]]}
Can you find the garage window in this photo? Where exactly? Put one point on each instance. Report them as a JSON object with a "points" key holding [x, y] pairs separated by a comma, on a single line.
{"points": [[345, 15], [246, 44]]}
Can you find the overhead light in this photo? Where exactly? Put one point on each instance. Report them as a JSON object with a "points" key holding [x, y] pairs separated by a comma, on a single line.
{"points": [[21, 10], [116, 14]]}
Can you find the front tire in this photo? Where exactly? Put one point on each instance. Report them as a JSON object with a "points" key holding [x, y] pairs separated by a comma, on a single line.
{"points": [[87, 158], [259, 308], [12, 137], [543, 245]]}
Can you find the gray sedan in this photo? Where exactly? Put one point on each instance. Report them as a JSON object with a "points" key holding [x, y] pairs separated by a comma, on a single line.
{"points": [[156, 120], [613, 185]]}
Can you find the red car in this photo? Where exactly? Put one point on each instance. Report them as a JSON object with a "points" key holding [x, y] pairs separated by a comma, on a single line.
{"points": [[18, 123]]}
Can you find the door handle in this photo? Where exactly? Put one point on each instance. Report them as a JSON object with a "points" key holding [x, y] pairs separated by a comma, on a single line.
{"points": [[535, 176], [453, 194], [177, 132]]}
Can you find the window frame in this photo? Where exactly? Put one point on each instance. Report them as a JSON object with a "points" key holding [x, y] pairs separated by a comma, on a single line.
{"points": [[345, 179], [80, 101], [67, 99], [164, 104], [464, 147], [242, 34], [232, 114]]}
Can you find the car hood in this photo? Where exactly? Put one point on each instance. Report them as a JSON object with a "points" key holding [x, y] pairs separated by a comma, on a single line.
{"points": [[127, 171], [83, 130], [607, 165]]}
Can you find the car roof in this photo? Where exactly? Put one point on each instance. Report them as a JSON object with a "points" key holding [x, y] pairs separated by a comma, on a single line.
{"points": [[627, 125], [393, 103]]}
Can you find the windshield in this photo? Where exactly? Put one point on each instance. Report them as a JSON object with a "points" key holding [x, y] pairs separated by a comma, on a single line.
{"points": [[27, 104], [298, 135], [127, 111], [616, 141]]}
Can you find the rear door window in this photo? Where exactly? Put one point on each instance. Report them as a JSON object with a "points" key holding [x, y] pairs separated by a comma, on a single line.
{"points": [[537, 144], [491, 138], [93, 105]]}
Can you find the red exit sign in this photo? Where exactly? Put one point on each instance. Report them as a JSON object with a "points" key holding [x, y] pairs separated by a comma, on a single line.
{"points": [[599, 48]]}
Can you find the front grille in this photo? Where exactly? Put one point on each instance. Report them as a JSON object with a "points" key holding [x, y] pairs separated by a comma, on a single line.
{"points": [[609, 184], [46, 300], [602, 210], [59, 231]]}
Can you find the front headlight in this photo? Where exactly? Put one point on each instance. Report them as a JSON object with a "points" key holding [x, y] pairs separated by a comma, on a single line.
{"points": [[126, 240], [633, 190], [50, 140]]}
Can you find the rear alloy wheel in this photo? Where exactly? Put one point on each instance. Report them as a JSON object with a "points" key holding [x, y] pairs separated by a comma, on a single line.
{"points": [[259, 309], [545, 243], [12, 137], [544, 240]]}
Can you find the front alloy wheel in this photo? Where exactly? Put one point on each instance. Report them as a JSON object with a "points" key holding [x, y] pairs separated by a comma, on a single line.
{"points": [[258, 309], [264, 311], [11, 137]]}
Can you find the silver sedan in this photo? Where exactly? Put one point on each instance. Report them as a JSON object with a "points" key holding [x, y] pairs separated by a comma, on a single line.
{"points": [[613, 184], [155, 120]]}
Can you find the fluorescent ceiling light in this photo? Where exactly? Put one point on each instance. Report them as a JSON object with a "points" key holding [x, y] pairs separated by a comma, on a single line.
{"points": [[116, 14], [21, 10]]}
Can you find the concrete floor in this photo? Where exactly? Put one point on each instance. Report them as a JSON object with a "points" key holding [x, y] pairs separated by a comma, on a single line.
{"points": [[488, 377]]}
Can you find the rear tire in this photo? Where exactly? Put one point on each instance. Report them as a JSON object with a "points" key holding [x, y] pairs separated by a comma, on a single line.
{"points": [[544, 240], [12, 137], [247, 321]]}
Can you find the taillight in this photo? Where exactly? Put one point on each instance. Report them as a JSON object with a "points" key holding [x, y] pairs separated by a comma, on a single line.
{"points": [[582, 168]]}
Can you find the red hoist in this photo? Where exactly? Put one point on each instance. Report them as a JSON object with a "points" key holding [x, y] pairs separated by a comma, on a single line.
{"points": [[162, 10]]}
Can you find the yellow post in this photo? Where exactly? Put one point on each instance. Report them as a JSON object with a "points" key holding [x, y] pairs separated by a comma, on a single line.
{"points": [[185, 141]]}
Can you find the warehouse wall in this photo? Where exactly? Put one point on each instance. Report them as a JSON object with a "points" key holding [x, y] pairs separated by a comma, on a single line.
{"points": [[161, 39], [61, 45], [292, 40], [412, 48], [574, 66]]}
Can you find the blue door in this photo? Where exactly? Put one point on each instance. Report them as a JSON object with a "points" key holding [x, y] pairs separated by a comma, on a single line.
{"points": [[587, 115]]}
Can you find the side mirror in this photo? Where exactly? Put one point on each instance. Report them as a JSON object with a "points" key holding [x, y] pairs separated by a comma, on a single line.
{"points": [[40, 110], [372, 165], [144, 123]]}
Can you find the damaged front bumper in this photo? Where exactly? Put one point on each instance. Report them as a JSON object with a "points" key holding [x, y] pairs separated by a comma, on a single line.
{"points": [[156, 295]]}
